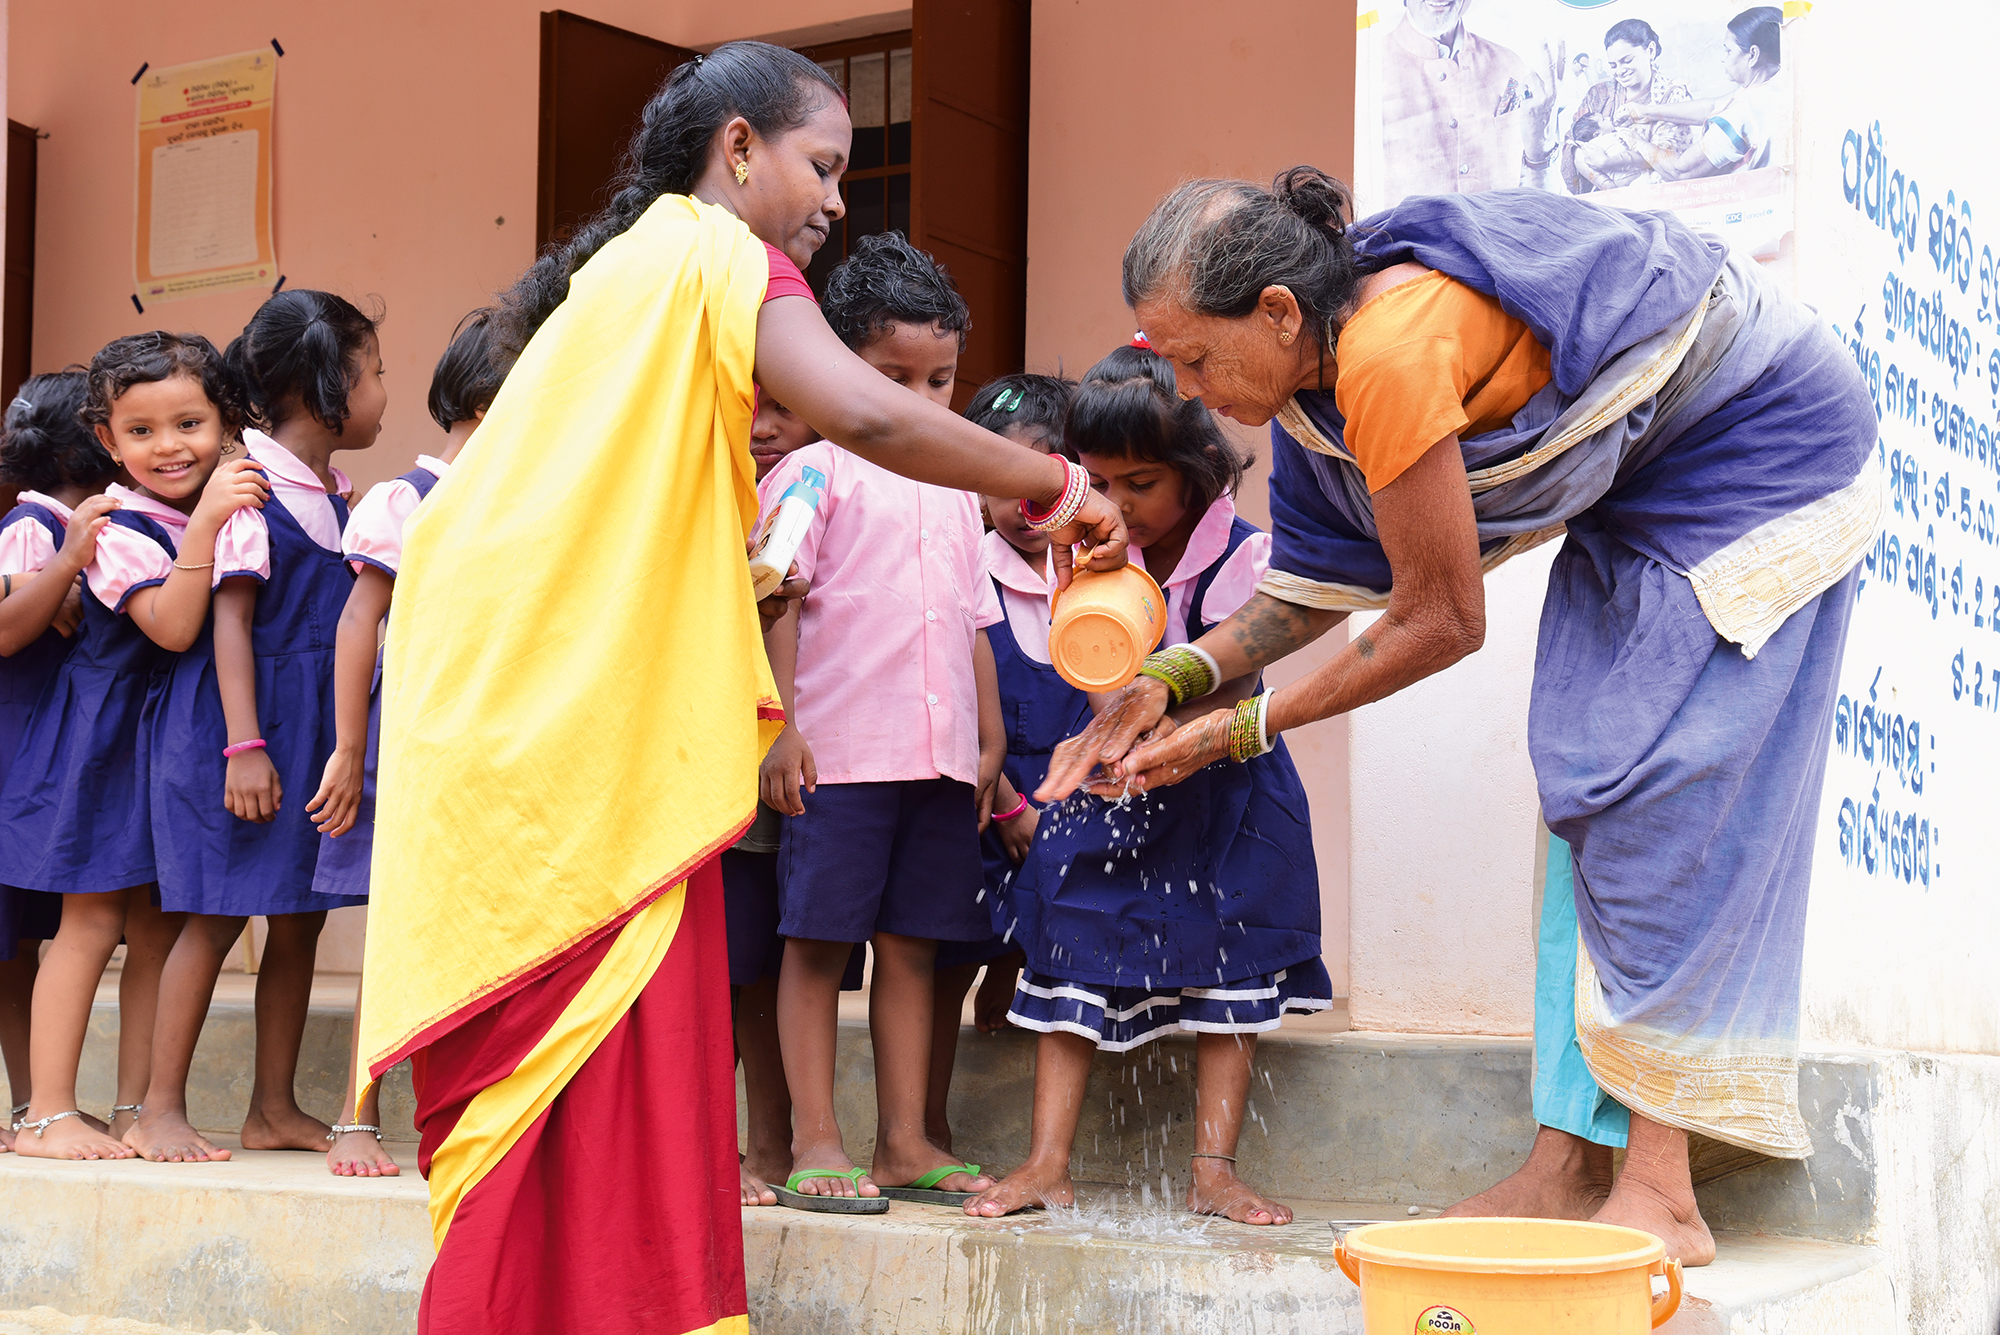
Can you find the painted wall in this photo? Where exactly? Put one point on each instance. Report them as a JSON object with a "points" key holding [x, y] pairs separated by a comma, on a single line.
{"points": [[1128, 99]]}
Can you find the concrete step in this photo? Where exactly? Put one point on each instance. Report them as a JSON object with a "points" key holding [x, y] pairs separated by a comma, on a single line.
{"points": [[271, 1239]]}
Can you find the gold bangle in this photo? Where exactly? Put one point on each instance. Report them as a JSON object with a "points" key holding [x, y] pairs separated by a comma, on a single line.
{"points": [[205, 565]]}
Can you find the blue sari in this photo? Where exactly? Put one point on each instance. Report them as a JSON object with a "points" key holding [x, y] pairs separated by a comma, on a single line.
{"points": [[1703, 450]]}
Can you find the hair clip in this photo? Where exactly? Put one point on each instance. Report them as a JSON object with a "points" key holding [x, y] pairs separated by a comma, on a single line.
{"points": [[1139, 341], [1007, 400]]}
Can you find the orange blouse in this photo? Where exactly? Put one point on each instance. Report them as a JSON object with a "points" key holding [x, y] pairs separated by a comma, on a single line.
{"points": [[1427, 359]]}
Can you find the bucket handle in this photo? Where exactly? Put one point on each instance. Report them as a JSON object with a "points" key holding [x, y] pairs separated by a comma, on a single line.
{"points": [[1669, 1302], [1351, 1267]]}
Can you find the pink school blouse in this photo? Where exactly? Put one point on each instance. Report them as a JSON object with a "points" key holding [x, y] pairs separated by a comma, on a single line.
{"points": [[127, 561], [884, 689], [243, 547], [374, 535], [26, 548], [1024, 594], [1234, 583]]}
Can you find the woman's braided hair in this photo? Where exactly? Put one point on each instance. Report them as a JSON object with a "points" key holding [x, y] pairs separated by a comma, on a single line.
{"points": [[769, 86]]}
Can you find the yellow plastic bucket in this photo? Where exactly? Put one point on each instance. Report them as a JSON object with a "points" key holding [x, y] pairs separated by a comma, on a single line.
{"points": [[1105, 624], [1508, 1277]]}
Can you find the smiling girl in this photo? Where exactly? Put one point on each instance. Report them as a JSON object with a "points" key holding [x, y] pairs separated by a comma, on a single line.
{"points": [[165, 408]]}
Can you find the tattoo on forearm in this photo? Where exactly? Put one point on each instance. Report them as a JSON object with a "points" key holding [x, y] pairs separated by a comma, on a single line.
{"points": [[1267, 629], [1364, 646]]}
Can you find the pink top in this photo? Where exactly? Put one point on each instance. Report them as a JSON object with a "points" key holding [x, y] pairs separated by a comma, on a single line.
{"points": [[785, 279], [26, 547], [243, 546], [884, 689], [127, 560], [1024, 594], [1234, 583], [374, 533]]}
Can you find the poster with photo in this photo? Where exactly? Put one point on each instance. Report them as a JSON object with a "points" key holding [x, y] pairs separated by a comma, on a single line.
{"points": [[1640, 104]]}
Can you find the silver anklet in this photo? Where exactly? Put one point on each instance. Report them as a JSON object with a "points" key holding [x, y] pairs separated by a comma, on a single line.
{"points": [[1226, 1158], [335, 1133], [134, 1108], [14, 1117], [46, 1122]]}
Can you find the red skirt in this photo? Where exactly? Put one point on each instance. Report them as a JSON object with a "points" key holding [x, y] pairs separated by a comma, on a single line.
{"points": [[618, 1209]]}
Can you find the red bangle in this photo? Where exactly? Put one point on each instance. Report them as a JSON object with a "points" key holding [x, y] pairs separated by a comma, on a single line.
{"points": [[1020, 807], [238, 748]]}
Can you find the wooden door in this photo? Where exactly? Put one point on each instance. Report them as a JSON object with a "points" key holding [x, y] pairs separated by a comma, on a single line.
{"points": [[970, 169], [596, 80], [17, 307]]}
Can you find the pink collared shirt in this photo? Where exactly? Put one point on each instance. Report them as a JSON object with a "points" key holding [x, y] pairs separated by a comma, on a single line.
{"points": [[374, 533], [26, 547], [127, 560], [1233, 584], [884, 689], [243, 546], [1024, 594]]}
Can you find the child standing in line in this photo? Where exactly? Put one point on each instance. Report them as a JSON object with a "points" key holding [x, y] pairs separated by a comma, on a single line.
{"points": [[1197, 909], [59, 472], [246, 716], [343, 810], [893, 736], [1038, 710], [165, 409]]}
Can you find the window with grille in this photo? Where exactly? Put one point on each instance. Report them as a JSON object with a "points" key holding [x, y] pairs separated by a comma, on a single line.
{"points": [[876, 72]]}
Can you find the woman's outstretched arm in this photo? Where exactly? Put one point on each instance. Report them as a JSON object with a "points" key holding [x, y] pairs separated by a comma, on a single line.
{"points": [[1436, 616], [813, 373]]}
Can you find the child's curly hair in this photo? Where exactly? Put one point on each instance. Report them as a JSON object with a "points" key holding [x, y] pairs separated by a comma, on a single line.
{"points": [[144, 359], [886, 281]]}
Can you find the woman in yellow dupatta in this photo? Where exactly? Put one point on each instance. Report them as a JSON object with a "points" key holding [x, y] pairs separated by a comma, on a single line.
{"points": [[575, 703]]}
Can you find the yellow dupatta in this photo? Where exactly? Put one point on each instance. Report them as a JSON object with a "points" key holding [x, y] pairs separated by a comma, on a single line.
{"points": [[575, 697]]}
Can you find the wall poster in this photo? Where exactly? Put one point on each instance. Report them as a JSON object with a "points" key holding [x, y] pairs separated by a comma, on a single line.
{"points": [[1640, 104], [204, 196]]}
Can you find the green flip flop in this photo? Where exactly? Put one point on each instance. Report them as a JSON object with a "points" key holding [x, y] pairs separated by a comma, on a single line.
{"points": [[789, 1195], [924, 1190]]}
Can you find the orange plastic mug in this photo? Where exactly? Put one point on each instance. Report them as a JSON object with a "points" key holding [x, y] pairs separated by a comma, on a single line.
{"points": [[1106, 622]]}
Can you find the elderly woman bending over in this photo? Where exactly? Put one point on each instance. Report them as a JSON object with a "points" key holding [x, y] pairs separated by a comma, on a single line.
{"points": [[1451, 383]]}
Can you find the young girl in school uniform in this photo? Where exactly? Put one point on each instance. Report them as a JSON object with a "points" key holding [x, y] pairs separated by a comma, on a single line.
{"points": [[59, 472], [890, 751], [165, 409], [1197, 912], [245, 721], [343, 810], [1037, 708]]}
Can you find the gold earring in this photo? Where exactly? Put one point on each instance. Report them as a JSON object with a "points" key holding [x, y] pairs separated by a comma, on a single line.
{"points": [[742, 171], [1285, 337]]}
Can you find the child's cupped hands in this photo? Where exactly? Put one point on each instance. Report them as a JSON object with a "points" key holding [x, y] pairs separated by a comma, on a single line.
{"points": [[237, 485], [334, 806], [788, 768], [250, 788]]}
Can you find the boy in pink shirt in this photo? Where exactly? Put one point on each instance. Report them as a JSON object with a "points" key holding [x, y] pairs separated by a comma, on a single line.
{"points": [[885, 771]]}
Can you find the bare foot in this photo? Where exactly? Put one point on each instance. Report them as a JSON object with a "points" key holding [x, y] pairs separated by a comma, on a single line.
{"points": [[759, 1170], [756, 1191], [287, 1129], [995, 994], [1566, 1177], [1217, 1190], [902, 1165], [71, 1138], [833, 1157], [359, 1154], [1029, 1185], [167, 1137], [121, 1122], [1656, 1194]]}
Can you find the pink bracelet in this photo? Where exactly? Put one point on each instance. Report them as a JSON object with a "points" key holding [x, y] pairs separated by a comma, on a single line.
{"points": [[237, 749], [1019, 808]]}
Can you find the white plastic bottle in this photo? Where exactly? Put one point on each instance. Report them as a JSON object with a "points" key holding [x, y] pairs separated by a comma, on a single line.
{"points": [[782, 532]]}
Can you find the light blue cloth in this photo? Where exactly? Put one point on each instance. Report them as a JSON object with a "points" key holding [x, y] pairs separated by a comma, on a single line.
{"points": [[1566, 1097]]}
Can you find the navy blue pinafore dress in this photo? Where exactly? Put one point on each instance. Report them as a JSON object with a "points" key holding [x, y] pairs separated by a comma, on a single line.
{"points": [[31, 915], [1196, 907], [209, 860], [1040, 710], [343, 862], [75, 800]]}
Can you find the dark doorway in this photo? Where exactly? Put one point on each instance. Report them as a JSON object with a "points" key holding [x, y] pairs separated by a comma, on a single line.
{"points": [[877, 74], [596, 80], [17, 307]]}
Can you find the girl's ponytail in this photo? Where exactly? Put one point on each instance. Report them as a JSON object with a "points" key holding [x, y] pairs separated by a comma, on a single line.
{"points": [[1129, 407], [47, 445], [300, 352], [772, 88]]}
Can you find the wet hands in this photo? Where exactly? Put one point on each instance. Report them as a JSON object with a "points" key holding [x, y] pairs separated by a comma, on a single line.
{"points": [[1135, 711]]}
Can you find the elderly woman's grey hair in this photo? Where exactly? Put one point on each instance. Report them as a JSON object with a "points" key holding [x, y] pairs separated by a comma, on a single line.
{"points": [[1215, 246]]}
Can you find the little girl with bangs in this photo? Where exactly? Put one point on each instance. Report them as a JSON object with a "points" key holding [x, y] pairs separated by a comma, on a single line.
{"points": [[1196, 909]]}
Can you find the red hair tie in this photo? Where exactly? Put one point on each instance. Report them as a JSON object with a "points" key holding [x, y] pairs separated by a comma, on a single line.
{"points": [[1139, 341]]}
